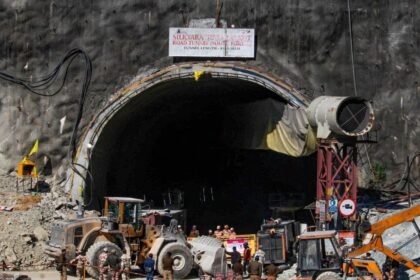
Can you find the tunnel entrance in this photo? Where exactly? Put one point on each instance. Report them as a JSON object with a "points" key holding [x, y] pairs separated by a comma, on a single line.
{"points": [[203, 139]]}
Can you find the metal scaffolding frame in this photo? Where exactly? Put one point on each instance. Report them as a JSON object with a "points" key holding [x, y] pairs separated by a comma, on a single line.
{"points": [[336, 175]]}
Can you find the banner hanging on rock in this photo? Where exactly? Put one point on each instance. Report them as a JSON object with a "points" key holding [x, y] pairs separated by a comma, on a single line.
{"points": [[212, 42]]}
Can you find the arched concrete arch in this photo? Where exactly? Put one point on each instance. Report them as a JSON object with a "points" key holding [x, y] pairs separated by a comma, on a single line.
{"points": [[217, 70]]}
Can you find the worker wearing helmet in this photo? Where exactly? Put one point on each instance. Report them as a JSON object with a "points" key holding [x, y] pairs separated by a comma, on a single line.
{"points": [[218, 233], [232, 234], [101, 261], [246, 256], [226, 231], [180, 231], [194, 232]]}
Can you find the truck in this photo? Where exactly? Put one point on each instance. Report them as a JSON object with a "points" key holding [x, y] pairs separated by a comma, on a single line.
{"points": [[276, 239]]}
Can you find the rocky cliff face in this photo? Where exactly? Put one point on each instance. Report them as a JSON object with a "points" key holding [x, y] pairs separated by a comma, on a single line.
{"points": [[306, 42]]}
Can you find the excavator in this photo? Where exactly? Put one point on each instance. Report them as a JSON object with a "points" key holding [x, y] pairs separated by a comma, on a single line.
{"points": [[321, 258]]}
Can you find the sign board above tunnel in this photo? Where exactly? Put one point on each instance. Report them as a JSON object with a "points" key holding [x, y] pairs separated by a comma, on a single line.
{"points": [[212, 42]]}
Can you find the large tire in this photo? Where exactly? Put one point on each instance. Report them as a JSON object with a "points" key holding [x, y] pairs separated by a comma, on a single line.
{"points": [[183, 259], [329, 275], [92, 255]]}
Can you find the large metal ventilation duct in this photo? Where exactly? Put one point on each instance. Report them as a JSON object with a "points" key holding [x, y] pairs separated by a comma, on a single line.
{"points": [[342, 115]]}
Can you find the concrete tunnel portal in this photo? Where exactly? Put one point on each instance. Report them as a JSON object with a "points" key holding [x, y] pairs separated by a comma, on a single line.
{"points": [[203, 138]]}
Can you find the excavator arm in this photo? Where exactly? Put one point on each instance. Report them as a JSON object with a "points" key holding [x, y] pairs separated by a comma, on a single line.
{"points": [[376, 243]]}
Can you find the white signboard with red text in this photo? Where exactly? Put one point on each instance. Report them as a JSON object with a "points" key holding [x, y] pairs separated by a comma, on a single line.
{"points": [[211, 42], [238, 243]]}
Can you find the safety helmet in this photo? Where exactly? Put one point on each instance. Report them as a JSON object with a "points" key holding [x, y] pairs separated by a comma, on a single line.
{"points": [[245, 244]]}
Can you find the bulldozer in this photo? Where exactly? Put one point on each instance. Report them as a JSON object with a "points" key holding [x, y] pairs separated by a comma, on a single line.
{"points": [[126, 228], [321, 258]]}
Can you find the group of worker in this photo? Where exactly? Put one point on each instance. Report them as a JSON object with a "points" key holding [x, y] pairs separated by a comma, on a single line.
{"points": [[108, 262], [253, 266], [225, 233]]}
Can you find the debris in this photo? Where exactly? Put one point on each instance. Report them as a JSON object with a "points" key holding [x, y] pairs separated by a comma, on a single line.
{"points": [[40, 234], [5, 208], [22, 240], [26, 202]]}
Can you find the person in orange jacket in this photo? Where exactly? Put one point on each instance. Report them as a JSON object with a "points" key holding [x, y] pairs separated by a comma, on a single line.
{"points": [[246, 256]]}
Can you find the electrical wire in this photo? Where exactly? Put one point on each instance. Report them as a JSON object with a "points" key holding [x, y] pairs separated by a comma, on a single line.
{"points": [[351, 47], [39, 86], [354, 71]]}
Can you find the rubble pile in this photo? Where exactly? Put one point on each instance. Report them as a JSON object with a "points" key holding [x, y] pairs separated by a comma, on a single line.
{"points": [[397, 236], [27, 218]]}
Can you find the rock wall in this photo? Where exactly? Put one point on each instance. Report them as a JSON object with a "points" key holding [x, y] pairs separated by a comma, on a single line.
{"points": [[306, 42]]}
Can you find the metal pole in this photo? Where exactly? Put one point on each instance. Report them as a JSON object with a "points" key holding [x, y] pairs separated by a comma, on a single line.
{"points": [[410, 202]]}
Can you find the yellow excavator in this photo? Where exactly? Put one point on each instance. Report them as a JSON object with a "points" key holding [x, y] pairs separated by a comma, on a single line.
{"points": [[320, 256]]}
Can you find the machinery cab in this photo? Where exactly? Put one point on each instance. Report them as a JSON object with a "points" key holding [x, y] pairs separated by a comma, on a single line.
{"points": [[318, 253], [124, 214]]}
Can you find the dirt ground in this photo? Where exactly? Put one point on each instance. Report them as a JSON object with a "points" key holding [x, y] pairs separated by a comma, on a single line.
{"points": [[42, 275]]}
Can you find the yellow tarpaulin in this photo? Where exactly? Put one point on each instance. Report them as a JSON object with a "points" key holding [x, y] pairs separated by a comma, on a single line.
{"points": [[268, 124], [292, 135]]}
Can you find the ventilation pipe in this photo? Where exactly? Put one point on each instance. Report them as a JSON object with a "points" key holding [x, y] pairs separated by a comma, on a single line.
{"points": [[341, 115]]}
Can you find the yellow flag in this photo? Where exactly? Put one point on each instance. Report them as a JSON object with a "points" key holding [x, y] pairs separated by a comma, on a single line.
{"points": [[198, 74], [34, 149]]}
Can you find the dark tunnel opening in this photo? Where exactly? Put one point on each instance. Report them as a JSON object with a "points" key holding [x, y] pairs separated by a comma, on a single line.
{"points": [[205, 139]]}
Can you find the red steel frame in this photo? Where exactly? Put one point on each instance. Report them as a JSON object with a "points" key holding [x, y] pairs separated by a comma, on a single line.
{"points": [[336, 172]]}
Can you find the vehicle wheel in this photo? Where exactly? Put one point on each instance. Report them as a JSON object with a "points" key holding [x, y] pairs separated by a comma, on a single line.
{"points": [[183, 259], [329, 275], [92, 255]]}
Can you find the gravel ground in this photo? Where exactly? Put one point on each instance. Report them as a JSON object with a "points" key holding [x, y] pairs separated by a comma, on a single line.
{"points": [[26, 227], [42, 275]]}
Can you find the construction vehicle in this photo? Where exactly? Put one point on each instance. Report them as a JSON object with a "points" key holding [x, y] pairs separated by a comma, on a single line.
{"points": [[320, 256], [125, 227], [276, 239]]}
